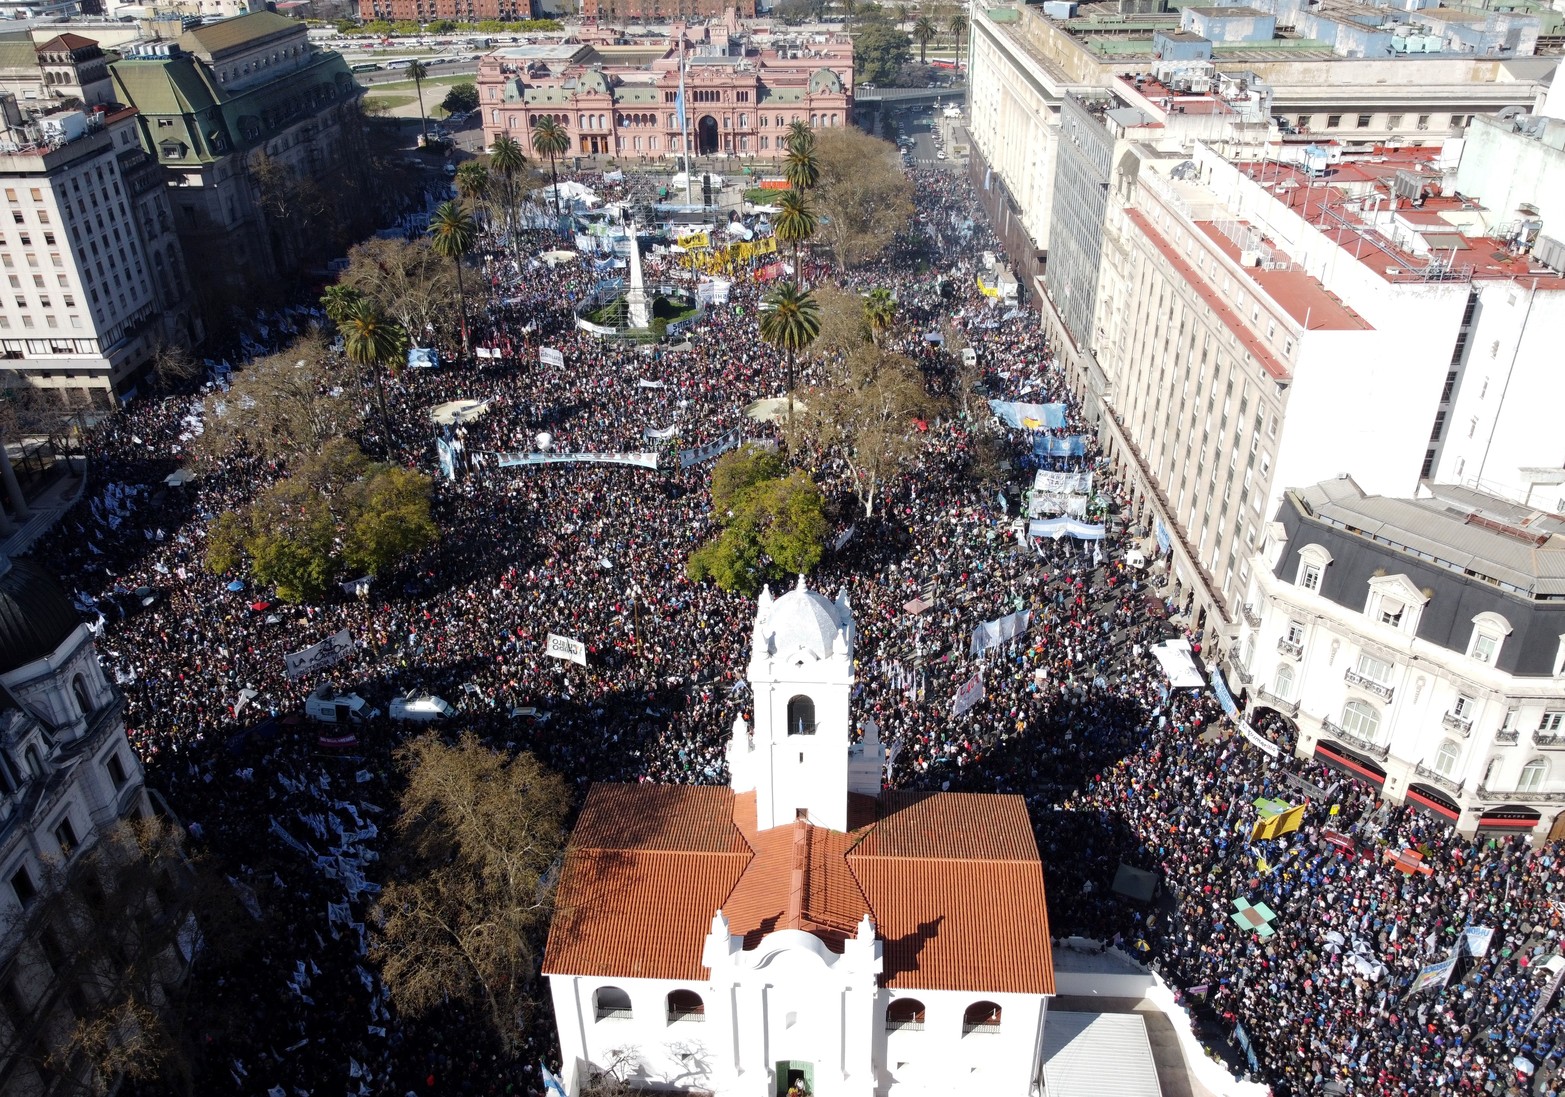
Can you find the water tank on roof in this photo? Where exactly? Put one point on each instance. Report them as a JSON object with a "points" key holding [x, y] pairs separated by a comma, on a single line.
{"points": [[64, 126]]}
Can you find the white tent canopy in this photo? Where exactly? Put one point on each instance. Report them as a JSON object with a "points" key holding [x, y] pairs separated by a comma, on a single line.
{"points": [[1179, 664]]}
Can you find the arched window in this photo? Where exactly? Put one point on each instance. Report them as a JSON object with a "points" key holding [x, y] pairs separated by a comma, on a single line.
{"points": [[83, 698], [1282, 682], [1361, 718], [1534, 773], [611, 1004], [1446, 757], [34, 762], [685, 1005], [801, 716], [981, 1017], [905, 1014]]}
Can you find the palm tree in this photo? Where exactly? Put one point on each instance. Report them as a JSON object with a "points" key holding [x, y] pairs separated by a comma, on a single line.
{"points": [[793, 223], [452, 233], [958, 29], [801, 167], [416, 73], [790, 321], [924, 32], [880, 308], [551, 140], [506, 161], [338, 300], [848, 8], [372, 340], [800, 137]]}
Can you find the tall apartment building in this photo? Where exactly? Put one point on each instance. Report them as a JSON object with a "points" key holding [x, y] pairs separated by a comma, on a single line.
{"points": [[465, 11], [1357, 83], [96, 278], [1263, 326], [209, 105], [1418, 646]]}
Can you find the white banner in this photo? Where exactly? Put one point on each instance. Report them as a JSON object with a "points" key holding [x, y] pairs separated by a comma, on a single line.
{"points": [[1478, 938], [1179, 664], [548, 356], [967, 695], [1056, 493], [486, 352], [1257, 740], [843, 538], [711, 449], [660, 435], [991, 634], [643, 383], [640, 460], [563, 647], [329, 652]]}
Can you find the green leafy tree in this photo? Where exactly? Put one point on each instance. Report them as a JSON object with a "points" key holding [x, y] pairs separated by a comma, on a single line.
{"points": [[924, 32], [770, 525], [388, 520], [790, 321], [338, 300], [551, 140], [290, 541], [416, 73], [464, 912], [460, 99], [452, 233], [507, 176], [879, 52]]}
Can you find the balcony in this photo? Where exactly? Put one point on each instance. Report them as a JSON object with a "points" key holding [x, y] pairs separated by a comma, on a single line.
{"points": [[1289, 647], [1548, 740], [1507, 735], [1463, 724], [1244, 676], [1353, 739], [1517, 796], [1434, 778], [1271, 700], [1379, 689], [1251, 617]]}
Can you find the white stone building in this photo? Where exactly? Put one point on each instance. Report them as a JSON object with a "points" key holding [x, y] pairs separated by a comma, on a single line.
{"points": [[1419, 647], [67, 775], [802, 930]]}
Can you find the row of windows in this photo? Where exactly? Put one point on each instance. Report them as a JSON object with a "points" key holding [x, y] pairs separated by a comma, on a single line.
{"points": [[1366, 121], [903, 1014]]}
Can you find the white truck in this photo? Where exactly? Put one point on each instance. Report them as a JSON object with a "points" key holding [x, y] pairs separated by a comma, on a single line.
{"points": [[420, 707], [329, 707]]}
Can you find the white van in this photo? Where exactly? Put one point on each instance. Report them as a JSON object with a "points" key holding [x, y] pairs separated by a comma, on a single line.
{"points": [[420, 707], [338, 708]]}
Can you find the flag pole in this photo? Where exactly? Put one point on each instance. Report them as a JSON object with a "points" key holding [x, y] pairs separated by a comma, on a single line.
{"points": [[684, 129]]}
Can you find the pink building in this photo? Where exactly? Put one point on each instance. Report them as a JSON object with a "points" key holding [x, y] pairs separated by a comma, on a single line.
{"points": [[740, 98]]}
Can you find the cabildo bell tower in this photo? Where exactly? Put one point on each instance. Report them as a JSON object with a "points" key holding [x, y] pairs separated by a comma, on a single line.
{"points": [[797, 757]]}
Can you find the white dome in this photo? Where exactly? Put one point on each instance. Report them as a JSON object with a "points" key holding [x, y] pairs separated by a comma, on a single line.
{"points": [[803, 620]]}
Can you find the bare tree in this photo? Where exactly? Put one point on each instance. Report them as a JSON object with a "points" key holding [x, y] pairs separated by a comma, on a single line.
{"points": [[291, 402], [463, 915], [862, 193], [411, 284]]}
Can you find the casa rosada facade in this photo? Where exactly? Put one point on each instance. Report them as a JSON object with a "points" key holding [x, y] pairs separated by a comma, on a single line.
{"points": [[738, 103]]}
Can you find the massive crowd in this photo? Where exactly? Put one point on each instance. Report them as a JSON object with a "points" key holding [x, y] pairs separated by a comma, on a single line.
{"points": [[1077, 717]]}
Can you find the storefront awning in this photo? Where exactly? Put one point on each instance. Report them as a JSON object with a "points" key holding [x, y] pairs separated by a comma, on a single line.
{"points": [[1433, 802], [1508, 819], [1343, 760]]}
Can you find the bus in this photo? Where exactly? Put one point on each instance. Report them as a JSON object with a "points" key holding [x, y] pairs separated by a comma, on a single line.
{"points": [[367, 66]]}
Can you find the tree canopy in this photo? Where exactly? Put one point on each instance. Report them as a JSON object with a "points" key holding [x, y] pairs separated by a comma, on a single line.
{"points": [[411, 283], [863, 196], [879, 51], [286, 403], [463, 914], [461, 98], [337, 512], [771, 524]]}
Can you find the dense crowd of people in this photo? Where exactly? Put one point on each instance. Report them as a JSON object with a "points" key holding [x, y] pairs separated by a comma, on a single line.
{"points": [[1077, 716]]}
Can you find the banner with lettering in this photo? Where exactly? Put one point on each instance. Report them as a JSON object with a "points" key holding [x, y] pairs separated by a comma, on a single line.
{"points": [[565, 647], [716, 448], [1002, 630], [329, 652], [549, 356], [967, 695], [514, 460]]}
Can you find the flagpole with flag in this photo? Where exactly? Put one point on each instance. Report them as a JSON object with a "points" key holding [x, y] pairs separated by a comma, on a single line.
{"points": [[679, 108]]}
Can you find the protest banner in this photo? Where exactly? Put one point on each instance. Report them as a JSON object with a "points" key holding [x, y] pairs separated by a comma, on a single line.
{"points": [[564, 647], [549, 356], [967, 695], [515, 460], [329, 652], [1002, 630]]}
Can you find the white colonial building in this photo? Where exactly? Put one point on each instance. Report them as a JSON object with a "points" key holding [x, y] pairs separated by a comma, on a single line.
{"points": [[1419, 645], [802, 930]]}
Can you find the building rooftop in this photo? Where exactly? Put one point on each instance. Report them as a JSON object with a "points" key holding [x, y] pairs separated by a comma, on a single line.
{"points": [[1301, 295], [952, 882], [237, 32], [1515, 548]]}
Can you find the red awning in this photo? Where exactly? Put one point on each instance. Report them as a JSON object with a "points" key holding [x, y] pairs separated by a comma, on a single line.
{"points": [[1432, 802], [1340, 758]]}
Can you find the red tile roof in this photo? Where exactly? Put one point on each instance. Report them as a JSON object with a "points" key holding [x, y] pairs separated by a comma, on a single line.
{"points": [[65, 42], [952, 881]]}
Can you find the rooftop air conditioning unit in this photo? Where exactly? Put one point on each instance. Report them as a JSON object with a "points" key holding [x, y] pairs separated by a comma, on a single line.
{"points": [[1249, 258]]}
